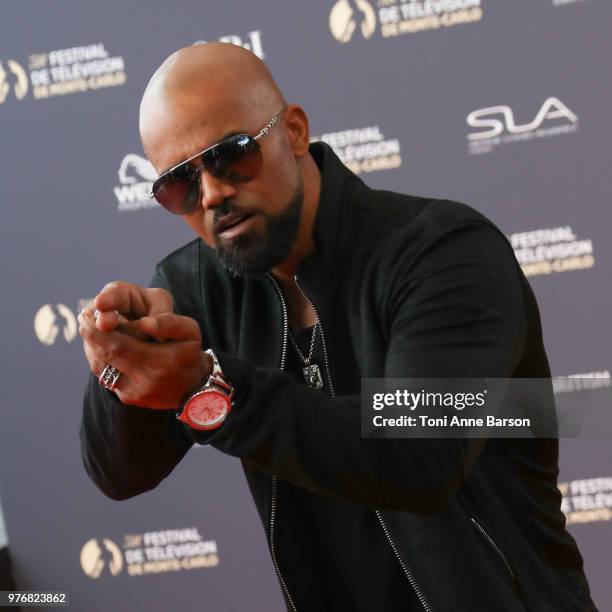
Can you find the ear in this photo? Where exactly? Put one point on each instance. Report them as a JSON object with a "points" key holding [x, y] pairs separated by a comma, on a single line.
{"points": [[298, 130]]}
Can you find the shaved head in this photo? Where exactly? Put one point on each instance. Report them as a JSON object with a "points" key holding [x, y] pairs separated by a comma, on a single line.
{"points": [[204, 94], [222, 74]]}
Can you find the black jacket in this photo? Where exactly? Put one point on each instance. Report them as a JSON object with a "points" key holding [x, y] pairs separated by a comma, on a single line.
{"points": [[404, 287]]}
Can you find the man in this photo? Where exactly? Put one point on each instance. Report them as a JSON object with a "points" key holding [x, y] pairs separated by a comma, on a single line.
{"points": [[301, 282]]}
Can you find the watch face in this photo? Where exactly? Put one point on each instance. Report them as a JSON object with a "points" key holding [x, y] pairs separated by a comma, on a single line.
{"points": [[207, 410]]}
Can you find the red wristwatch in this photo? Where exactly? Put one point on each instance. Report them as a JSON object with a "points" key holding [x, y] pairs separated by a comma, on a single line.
{"points": [[208, 406]]}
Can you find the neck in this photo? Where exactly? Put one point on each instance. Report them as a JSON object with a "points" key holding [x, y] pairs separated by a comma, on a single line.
{"points": [[304, 243]]}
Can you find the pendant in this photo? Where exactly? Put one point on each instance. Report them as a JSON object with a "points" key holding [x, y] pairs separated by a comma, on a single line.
{"points": [[312, 375]]}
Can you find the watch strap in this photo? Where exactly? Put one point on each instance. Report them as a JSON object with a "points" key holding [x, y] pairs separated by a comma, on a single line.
{"points": [[215, 381], [216, 376]]}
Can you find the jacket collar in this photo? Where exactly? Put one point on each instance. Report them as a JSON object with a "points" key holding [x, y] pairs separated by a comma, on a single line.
{"points": [[333, 220]]}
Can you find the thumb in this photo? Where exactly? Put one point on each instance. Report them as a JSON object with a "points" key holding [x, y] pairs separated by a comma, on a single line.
{"points": [[169, 326]]}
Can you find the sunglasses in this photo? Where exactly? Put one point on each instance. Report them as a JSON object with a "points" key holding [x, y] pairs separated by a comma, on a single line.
{"points": [[237, 159]]}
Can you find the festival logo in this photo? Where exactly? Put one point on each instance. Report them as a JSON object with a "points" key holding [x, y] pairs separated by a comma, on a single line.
{"points": [[344, 19], [399, 17], [364, 149], [95, 558], [15, 79], [588, 500], [62, 72], [49, 321], [552, 250], [564, 2], [496, 125], [582, 382], [136, 176], [252, 42], [154, 552]]}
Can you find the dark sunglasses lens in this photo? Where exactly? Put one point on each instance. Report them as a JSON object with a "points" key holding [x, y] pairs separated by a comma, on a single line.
{"points": [[178, 193], [238, 158]]}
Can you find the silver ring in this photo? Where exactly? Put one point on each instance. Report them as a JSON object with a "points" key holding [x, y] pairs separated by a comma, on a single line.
{"points": [[97, 313], [109, 377]]}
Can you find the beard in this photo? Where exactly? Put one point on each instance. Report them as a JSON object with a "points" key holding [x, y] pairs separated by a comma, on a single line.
{"points": [[253, 255]]}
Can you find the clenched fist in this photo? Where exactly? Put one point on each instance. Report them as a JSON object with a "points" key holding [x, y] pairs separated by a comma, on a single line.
{"points": [[158, 352]]}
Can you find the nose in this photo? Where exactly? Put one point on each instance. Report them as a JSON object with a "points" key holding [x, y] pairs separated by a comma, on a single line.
{"points": [[214, 190]]}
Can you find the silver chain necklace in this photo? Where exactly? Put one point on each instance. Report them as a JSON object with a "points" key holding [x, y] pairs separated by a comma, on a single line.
{"points": [[311, 371]]}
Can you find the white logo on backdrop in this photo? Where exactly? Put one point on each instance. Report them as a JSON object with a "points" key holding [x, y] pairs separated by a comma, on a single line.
{"points": [[490, 118], [141, 166], [564, 2], [343, 19], [47, 324], [497, 125], [364, 149], [136, 176], [62, 72], [551, 250], [20, 87], [252, 42], [95, 557], [399, 17]]}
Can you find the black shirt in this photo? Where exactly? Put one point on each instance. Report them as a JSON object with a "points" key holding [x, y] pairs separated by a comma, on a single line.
{"points": [[355, 566]]}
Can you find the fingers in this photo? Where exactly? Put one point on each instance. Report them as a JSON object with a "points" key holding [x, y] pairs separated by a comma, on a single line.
{"points": [[108, 320], [132, 301], [167, 326], [115, 321], [153, 374], [121, 350], [119, 296], [158, 301]]}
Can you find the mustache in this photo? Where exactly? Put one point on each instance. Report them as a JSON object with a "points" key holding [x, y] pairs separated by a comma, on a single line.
{"points": [[228, 213], [228, 207]]}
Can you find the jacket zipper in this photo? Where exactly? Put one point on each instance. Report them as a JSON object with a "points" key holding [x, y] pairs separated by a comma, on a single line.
{"points": [[495, 547], [407, 572], [409, 575], [274, 481]]}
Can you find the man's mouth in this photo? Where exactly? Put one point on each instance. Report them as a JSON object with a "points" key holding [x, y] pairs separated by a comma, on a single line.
{"points": [[232, 224]]}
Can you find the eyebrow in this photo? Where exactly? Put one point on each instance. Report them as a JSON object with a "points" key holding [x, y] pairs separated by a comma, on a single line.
{"points": [[224, 137]]}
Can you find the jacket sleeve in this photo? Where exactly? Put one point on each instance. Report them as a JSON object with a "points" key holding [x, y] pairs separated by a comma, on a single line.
{"points": [[457, 310], [128, 450]]}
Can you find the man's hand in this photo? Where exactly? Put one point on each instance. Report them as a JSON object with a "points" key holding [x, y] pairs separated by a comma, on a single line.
{"points": [[131, 301], [153, 374]]}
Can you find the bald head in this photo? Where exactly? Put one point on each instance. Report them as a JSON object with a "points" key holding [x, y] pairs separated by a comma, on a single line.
{"points": [[199, 85], [199, 97]]}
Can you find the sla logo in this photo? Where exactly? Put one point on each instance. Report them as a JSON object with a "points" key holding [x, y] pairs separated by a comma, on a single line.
{"points": [[253, 42], [136, 176], [20, 87], [552, 108], [94, 558], [343, 19], [47, 324], [501, 127]]}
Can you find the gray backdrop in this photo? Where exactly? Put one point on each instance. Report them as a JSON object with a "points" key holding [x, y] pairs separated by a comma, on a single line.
{"points": [[503, 105]]}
